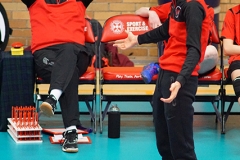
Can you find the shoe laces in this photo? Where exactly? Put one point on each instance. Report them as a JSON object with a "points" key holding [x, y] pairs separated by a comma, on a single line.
{"points": [[69, 136]]}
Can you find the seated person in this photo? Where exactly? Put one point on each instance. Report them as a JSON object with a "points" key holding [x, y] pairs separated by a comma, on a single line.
{"points": [[156, 16], [231, 46], [60, 56]]}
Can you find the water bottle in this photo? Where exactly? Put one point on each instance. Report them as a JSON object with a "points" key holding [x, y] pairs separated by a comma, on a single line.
{"points": [[114, 122]]}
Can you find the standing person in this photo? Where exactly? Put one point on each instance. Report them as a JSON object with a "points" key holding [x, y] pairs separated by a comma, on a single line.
{"points": [[231, 46], [158, 15], [187, 32], [58, 46]]}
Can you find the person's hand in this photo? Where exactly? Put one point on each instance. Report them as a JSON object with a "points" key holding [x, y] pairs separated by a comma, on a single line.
{"points": [[128, 42], [174, 91], [153, 19]]}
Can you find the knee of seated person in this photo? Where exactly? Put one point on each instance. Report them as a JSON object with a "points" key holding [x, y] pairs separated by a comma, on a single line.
{"points": [[211, 52], [236, 86]]}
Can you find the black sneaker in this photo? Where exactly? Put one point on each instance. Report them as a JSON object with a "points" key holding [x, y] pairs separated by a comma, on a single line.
{"points": [[48, 106], [70, 141]]}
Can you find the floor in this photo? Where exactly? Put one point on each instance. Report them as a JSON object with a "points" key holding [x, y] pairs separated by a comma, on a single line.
{"points": [[136, 142]]}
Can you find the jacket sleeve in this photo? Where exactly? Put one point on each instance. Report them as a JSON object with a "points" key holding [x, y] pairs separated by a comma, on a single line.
{"points": [[194, 15], [155, 35]]}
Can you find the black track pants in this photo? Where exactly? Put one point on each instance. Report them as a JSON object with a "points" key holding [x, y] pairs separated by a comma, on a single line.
{"points": [[62, 65], [174, 121]]}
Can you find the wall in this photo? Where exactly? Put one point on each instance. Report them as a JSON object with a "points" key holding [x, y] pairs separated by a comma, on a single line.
{"points": [[100, 10]]}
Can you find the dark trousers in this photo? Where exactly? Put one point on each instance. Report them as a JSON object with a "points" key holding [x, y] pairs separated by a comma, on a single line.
{"points": [[174, 121], [62, 65]]}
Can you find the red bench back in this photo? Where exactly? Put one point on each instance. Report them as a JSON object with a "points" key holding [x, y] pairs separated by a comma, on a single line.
{"points": [[114, 27]]}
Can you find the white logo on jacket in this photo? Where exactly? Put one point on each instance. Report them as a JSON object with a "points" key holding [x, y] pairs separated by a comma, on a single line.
{"points": [[177, 11]]}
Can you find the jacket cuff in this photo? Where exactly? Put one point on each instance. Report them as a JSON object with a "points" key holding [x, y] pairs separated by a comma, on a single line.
{"points": [[181, 80]]}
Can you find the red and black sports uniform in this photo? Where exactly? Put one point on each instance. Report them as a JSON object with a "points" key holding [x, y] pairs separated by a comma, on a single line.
{"points": [[60, 56], [231, 30], [187, 31], [54, 22]]}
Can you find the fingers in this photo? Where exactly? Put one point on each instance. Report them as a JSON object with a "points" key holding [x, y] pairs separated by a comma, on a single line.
{"points": [[174, 91], [120, 45], [119, 41], [167, 100], [173, 95]]}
